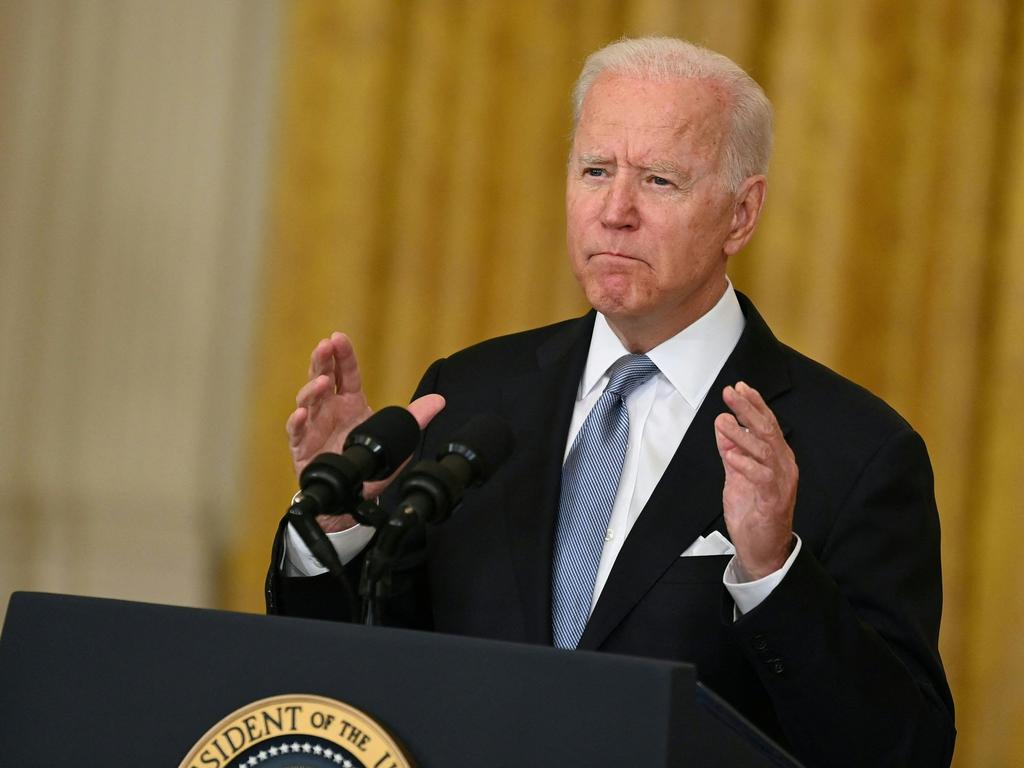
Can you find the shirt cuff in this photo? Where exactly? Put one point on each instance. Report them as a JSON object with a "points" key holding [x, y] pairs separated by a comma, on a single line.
{"points": [[747, 595], [299, 561]]}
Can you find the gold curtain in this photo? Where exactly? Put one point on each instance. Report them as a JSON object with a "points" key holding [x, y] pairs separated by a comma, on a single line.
{"points": [[418, 206]]}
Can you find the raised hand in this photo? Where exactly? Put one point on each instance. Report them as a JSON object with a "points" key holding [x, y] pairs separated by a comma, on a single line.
{"points": [[330, 404], [760, 482]]}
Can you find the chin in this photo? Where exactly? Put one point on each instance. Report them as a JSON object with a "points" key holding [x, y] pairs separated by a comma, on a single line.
{"points": [[615, 300]]}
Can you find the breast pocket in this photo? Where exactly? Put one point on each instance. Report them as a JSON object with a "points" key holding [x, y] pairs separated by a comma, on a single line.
{"points": [[698, 569], [679, 617]]}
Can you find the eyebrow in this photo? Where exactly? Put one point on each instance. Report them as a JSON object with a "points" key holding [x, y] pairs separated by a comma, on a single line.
{"points": [[658, 167], [664, 166]]}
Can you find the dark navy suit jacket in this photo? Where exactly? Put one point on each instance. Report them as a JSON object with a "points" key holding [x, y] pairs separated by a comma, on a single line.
{"points": [[840, 663]]}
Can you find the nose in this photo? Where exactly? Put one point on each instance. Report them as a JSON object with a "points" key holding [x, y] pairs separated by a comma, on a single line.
{"points": [[619, 210]]}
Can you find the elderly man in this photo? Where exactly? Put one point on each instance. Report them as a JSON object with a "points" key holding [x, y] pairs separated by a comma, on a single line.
{"points": [[685, 486]]}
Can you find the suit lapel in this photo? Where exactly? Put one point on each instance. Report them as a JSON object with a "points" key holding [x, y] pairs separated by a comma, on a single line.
{"points": [[688, 498], [539, 406]]}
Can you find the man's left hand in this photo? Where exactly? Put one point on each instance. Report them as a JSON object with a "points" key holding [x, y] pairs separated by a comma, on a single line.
{"points": [[760, 482]]}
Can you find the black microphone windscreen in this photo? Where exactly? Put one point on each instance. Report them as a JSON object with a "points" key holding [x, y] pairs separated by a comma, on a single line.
{"points": [[486, 440], [395, 430]]}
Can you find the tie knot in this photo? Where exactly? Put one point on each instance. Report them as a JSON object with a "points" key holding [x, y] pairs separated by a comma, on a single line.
{"points": [[629, 372]]}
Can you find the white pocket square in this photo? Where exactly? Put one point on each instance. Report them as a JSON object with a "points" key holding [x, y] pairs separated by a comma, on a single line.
{"points": [[714, 544]]}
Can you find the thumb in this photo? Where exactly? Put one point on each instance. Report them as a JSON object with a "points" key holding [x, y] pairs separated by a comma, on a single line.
{"points": [[425, 408]]}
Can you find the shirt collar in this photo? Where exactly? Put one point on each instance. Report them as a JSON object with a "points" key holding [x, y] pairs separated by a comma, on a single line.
{"points": [[690, 360]]}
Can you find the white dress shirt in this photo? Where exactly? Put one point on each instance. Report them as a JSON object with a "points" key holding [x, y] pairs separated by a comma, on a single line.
{"points": [[660, 412]]}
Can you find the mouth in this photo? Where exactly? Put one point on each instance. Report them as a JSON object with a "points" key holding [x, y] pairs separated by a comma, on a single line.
{"points": [[615, 256]]}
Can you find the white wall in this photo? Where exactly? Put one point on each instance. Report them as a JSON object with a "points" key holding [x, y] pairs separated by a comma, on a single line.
{"points": [[134, 153]]}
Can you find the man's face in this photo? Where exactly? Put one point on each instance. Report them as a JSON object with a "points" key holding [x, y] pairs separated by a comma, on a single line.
{"points": [[649, 220]]}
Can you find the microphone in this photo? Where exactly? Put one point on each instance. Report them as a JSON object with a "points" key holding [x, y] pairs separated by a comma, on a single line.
{"points": [[429, 493], [332, 483], [432, 489]]}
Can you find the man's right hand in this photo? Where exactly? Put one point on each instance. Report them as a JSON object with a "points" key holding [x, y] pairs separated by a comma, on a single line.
{"points": [[330, 404]]}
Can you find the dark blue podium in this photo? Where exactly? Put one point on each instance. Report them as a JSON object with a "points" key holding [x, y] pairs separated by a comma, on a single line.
{"points": [[86, 681]]}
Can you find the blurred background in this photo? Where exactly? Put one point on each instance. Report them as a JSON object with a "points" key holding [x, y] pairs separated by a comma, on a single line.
{"points": [[193, 193]]}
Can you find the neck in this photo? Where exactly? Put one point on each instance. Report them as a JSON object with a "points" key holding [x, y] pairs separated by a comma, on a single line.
{"points": [[642, 333]]}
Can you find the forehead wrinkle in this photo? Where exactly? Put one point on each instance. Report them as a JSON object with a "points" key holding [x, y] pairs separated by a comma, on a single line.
{"points": [[660, 158]]}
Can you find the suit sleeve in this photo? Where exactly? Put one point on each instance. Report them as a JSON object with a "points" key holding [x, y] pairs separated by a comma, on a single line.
{"points": [[847, 644]]}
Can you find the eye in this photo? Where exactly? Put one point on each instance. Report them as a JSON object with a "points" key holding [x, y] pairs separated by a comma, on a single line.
{"points": [[595, 173], [660, 181]]}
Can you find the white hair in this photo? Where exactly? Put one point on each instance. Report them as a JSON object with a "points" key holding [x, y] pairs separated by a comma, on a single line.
{"points": [[748, 145]]}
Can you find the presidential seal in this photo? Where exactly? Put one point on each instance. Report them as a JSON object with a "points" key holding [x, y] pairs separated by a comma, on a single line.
{"points": [[296, 731]]}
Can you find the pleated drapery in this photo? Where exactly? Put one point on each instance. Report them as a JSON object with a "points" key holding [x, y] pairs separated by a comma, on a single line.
{"points": [[418, 205]]}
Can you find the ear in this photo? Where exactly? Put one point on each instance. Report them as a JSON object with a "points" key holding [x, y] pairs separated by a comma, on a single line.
{"points": [[747, 212]]}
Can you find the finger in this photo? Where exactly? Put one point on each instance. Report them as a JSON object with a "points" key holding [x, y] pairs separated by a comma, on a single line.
{"points": [[759, 404], [321, 359], [758, 474], [746, 414], [426, 408], [743, 439], [721, 439], [313, 391], [346, 367], [295, 426], [755, 399], [749, 414]]}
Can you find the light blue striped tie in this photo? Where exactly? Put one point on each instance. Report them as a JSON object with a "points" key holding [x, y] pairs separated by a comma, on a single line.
{"points": [[590, 479]]}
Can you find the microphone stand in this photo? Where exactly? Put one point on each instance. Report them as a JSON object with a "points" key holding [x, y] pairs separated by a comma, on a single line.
{"points": [[430, 492], [375, 583]]}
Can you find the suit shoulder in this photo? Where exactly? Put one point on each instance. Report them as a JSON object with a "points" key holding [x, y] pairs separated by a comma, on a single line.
{"points": [[828, 401], [815, 399], [474, 374], [515, 351]]}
